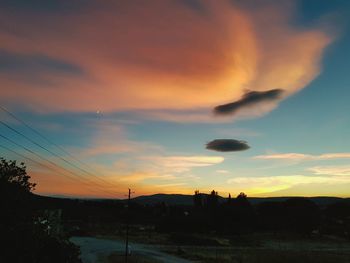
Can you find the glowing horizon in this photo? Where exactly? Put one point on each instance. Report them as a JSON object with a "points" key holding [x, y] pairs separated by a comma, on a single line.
{"points": [[130, 88]]}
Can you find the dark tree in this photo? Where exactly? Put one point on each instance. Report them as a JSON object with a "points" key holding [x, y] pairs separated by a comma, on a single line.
{"points": [[15, 176], [212, 200], [197, 199], [23, 238], [15, 194], [242, 196]]}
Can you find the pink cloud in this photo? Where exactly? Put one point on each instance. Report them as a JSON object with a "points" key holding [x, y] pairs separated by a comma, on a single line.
{"points": [[160, 55]]}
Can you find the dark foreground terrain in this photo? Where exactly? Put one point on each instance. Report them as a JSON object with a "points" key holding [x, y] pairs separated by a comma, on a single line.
{"points": [[105, 250], [210, 229]]}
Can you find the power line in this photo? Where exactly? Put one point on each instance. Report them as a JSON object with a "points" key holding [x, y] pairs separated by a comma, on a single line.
{"points": [[56, 145], [44, 148], [73, 178], [43, 158], [48, 167], [34, 130]]}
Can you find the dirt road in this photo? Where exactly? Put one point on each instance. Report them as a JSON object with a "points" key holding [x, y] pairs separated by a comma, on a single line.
{"points": [[92, 248]]}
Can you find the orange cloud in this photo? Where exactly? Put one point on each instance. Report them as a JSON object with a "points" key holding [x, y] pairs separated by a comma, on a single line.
{"points": [[158, 55], [110, 181], [58, 183]]}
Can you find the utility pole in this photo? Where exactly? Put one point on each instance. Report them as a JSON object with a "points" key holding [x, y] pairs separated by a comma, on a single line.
{"points": [[127, 229]]}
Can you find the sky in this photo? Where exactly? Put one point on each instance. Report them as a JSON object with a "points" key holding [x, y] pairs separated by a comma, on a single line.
{"points": [[171, 96]]}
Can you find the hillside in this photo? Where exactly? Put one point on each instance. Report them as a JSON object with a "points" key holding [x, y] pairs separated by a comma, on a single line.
{"points": [[179, 199]]}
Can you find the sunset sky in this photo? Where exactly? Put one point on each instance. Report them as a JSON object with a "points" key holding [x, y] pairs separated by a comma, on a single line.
{"points": [[130, 91]]}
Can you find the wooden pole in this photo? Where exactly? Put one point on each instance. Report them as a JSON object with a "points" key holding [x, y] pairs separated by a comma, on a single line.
{"points": [[127, 229]]}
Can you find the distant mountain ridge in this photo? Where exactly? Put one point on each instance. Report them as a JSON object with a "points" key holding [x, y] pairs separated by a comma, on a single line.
{"points": [[181, 199]]}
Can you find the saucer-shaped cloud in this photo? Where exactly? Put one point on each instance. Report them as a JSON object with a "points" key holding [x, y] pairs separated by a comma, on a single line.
{"points": [[249, 99], [227, 145]]}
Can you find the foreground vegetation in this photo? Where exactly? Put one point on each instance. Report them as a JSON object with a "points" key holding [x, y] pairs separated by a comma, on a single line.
{"points": [[26, 235]]}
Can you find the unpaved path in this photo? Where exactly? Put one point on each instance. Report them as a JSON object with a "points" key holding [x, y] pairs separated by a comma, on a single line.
{"points": [[92, 248]]}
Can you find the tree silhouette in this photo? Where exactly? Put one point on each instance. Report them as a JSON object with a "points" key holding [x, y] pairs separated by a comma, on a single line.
{"points": [[16, 175], [197, 199], [23, 237], [15, 193], [242, 196], [212, 200]]}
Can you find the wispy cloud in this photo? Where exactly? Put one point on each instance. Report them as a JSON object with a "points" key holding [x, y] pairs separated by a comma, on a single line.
{"points": [[139, 177], [180, 164], [303, 157], [222, 171], [169, 185], [342, 170], [153, 170]]}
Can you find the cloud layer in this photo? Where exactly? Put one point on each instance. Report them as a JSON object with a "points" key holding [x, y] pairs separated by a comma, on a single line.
{"points": [[118, 56], [227, 145]]}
